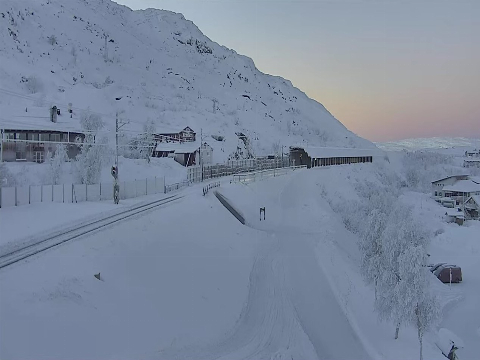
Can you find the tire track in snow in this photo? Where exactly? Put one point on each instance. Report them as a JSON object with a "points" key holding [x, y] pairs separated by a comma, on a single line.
{"points": [[267, 327]]}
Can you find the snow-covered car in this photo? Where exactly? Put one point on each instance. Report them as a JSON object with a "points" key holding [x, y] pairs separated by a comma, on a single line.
{"points": [[448, 273], [434, 267]]}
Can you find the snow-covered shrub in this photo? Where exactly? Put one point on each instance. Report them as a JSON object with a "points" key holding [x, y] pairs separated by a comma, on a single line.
{"points": [[33, 84], [55, 164], [6, 177], [52, 39]]}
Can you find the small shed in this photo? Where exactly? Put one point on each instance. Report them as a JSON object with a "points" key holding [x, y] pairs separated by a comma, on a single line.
{"points": [[455, 215]]}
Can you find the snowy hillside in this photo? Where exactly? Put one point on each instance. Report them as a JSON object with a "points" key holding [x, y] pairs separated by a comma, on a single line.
{"points": [[53, 53]]}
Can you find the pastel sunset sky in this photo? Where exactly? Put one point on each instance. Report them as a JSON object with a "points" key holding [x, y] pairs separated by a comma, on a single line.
{"points": [[387, 69]]}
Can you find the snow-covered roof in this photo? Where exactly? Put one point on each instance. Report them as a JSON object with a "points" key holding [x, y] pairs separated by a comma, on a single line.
{"points": [[38, 118], [172, 130], [446, 199], [475, 198], [475, 179], [449, 177], [454, 212], [465, 186], [330, 152], [472, 160], [177, 147]]}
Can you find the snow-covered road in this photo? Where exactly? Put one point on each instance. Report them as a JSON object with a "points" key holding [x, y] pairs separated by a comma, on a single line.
{"points": [[290, 313]]}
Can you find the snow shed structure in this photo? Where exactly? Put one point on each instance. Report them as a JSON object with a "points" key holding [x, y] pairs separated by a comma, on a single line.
{"points": [[326, 156]]}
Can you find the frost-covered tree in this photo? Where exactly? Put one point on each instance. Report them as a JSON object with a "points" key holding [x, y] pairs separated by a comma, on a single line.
{"points": [[94, 151], [89, 162], [148, 140], [55, 164], [141, 146], [91, 123], [403, 237], [427, 314], [371, 247]]}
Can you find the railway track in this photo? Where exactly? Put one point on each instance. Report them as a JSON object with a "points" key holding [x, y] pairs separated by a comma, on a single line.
{"points": [[84, 229]]}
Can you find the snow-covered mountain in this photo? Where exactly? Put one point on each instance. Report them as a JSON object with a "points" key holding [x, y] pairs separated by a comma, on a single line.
{"points": [[90, 52], [428, 143]]}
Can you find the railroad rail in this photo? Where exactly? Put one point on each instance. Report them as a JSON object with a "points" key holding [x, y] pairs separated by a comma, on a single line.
{"points": [[84, 229]]}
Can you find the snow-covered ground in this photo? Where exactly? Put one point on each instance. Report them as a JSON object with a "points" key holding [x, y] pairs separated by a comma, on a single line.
{"points": [[189, 281], [30, 173]]}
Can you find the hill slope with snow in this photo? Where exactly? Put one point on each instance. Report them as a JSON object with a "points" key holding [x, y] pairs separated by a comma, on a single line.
{"points": [[53, 53]]}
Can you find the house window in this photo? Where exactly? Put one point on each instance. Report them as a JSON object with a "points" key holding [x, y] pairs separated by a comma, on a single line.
{"points": [[435, 193], [44, 137], [55, 137], [65, 137], [9, 136], [32, 136], [21, 136], [38, 156]]}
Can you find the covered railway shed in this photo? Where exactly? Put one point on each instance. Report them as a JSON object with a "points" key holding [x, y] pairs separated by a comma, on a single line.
{"points": [[326, 156]]}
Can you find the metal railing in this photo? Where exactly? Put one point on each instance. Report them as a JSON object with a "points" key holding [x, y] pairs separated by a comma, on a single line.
{"points": [[264, 174]]}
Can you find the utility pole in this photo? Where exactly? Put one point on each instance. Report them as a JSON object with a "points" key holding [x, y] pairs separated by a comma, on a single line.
{"points": [[116, 139], [116, 184], [1, 147], [201, 160], [282, 157]]}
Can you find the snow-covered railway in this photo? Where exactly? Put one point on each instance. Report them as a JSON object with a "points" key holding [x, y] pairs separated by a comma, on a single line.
{"points": [[51, 241]]}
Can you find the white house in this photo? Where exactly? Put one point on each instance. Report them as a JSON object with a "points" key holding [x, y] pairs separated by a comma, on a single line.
{"points": [[461, 190], [437, 185]]}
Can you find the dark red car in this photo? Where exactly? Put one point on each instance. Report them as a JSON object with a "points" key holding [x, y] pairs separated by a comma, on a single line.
{"points": [[443, 271]]}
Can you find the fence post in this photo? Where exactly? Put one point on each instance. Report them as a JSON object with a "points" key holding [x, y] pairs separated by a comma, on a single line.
{"points": [[146, 186], [41, 193], [63, 193], [52, 192], [164, 185], [72, 192], [29, 201], [100, 191], [15, 195], [86, 192]]}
